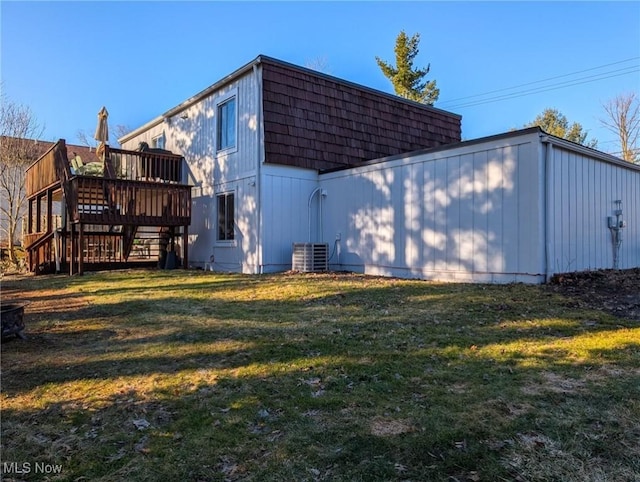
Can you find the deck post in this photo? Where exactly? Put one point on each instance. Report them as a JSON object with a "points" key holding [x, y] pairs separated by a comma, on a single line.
{"points": [[72, 240], [185, 247], [30, 256], [49, 210], [39, 213], [81, 249]]}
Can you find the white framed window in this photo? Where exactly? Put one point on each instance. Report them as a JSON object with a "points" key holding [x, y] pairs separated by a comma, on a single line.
{"points": [[226, 127], [226, 216], [158, 142]]}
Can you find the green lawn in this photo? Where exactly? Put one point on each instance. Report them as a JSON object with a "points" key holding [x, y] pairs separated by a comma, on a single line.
{"points": [[196, 376]]}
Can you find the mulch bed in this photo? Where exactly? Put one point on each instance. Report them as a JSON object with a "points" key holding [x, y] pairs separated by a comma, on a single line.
{"points": [[614, 291]]}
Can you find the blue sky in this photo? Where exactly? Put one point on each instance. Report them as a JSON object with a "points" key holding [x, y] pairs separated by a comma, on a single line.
{"points": [[65, 60]]}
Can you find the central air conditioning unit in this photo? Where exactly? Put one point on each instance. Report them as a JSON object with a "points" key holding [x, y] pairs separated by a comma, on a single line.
{"points": [[310, 257]]}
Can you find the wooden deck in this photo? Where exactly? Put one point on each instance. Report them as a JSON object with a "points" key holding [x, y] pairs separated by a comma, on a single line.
{"points": [[108, 208], [99, 200]]}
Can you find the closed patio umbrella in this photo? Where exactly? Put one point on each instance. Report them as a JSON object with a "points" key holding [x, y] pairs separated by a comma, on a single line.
{"points": [[102, 131]]}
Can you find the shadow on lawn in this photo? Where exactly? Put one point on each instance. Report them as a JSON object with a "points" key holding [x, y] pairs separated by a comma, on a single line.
{"points": [[305, 380], [236, 335], [282, 412], [186, 319]]}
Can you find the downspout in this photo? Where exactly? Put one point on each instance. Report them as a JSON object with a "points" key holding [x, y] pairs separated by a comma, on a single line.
{"points": [[547, 206], [316, 190], [259, 157], [322, 194]]}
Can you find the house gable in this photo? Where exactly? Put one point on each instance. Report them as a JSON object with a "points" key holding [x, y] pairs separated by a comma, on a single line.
{"points": [[315, 121]]}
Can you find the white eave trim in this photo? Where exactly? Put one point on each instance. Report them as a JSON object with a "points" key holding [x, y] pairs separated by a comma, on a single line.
{"points": [[586, 151], [139, 130], [192, 100]]}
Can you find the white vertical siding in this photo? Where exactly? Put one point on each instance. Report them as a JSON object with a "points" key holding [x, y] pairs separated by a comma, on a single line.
{"points": [[285, 213], [471, 213], [158, 128], [630, 255], [212, 172], [583, 192], [195, 136], [452, 193], [478, 224], [412, 199], [497, 178], [239, 255], [530, 186]]}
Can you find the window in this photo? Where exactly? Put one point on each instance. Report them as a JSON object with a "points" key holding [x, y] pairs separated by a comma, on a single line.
{"points": [[226, 134], [158, 142], [226, 216]]}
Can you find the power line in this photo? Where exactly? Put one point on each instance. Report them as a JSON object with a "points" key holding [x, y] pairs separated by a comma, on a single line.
{"points": [[613, 141], [539, 81], [561, 85], [446, 102]]}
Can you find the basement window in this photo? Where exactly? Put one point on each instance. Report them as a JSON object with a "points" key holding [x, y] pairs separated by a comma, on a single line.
{"points": [[226, 216]]}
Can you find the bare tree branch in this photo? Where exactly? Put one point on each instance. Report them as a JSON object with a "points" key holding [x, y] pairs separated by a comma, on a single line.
{"points": [[623, 119], [19, 134], [120, 130], [85, 139], [319, 64]]}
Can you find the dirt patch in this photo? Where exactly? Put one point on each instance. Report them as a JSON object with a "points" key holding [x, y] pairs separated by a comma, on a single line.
{"points": [[552, 382], [614, 291], [383, 427], [40, 303]]}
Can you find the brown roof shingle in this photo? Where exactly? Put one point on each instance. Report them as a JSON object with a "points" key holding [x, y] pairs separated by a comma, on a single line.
{"points": [[319, 122]]}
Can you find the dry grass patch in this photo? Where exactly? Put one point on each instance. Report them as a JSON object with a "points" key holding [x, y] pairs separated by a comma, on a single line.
{"points": [[385, 427]]}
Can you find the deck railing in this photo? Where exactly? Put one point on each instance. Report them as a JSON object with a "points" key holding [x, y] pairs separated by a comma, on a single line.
{"points": [[148, 166], [41, 249], [119, 201], [29, 239], [42, 173], [142, 165]]}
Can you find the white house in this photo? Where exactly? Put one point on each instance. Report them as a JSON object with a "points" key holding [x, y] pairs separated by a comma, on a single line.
{"points": [[280, 154]]}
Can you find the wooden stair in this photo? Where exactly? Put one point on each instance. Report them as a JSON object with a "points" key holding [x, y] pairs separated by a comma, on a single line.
{"points": [[128, 236]]}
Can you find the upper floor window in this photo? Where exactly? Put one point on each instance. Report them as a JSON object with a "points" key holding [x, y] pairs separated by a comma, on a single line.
{"points": [[226, 126], [158, 142]]}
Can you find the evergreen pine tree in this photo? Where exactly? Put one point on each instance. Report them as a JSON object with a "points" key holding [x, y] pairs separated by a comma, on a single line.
{"points": [[555, 123], [407, 81]]}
